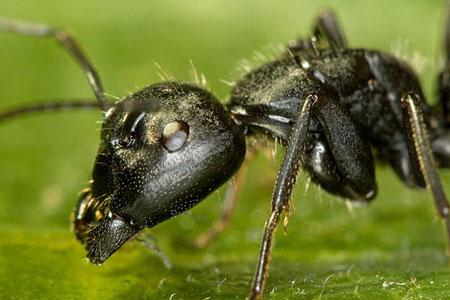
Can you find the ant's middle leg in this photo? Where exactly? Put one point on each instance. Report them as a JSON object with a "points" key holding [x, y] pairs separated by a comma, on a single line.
{"points": [[441, 143], [420, 151]]}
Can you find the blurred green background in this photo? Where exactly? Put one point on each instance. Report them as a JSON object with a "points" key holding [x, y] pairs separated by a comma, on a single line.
{"points": [[391, 249]]}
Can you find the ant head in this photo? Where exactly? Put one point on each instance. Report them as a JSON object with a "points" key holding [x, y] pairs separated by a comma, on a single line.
{"points": [[162, 150]]}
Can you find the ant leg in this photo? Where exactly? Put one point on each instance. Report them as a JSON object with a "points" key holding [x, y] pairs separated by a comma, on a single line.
{"points": [[440, 146], [420, 151], [229, 205], [351, 152], [444, 75], [47, 107], [69, 44], [321, 165], [151, 243], [326, 29], [285, 182]]}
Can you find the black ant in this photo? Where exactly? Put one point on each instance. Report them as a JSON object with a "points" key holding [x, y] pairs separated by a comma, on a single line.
{"points": [[166, 147]]}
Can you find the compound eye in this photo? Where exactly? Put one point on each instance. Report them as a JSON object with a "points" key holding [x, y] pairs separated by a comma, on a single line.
{"points": [[175, 135]]}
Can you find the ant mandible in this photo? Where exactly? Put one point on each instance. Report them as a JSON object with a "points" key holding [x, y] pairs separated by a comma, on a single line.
{"points": [[166, 147]]}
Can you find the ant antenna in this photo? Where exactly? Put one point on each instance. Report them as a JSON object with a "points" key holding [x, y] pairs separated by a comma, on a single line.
{"points": [[48, 107], [69, 44]]}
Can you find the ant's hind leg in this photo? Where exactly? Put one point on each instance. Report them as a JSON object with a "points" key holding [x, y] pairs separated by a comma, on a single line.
{"points": [[327, 27], [69, 44], [326, 30], [420, 151], [229, 205]]}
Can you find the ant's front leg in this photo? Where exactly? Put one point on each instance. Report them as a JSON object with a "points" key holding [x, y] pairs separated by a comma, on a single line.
{"points": [[351, 154], [150, 242], [229, 205], [349, 148], [285, 182]]}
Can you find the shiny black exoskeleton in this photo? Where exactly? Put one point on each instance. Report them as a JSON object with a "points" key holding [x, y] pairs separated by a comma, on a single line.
{"points": [[332, 107], [358, 106], [166, 147], [162, 150]]}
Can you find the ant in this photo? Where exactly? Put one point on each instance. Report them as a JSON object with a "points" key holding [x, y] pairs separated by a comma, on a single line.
{"points": [[166, 147]]}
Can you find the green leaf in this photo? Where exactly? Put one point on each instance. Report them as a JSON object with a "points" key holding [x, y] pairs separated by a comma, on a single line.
{"points": [[393, 248]]}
